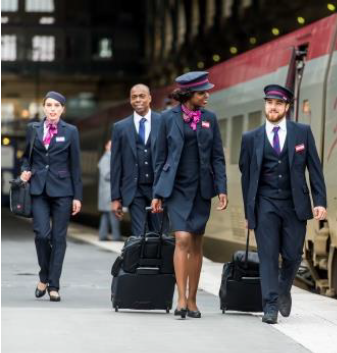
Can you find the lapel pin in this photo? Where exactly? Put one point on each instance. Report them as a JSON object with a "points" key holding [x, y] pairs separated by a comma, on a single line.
{"points": [[205, 124], [299, 148]]}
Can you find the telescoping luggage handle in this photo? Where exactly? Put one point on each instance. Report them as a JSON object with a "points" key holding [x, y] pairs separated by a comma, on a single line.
{"points": [[247, 249], [148, 210]]}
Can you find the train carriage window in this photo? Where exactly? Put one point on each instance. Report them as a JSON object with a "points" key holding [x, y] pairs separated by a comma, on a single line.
{"points": [[223, 131], [254, 120], [237, 128]]}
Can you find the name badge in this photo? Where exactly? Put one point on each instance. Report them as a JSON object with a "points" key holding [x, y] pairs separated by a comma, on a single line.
{"points": [[300, 148], [60, 139], [205, 124]]}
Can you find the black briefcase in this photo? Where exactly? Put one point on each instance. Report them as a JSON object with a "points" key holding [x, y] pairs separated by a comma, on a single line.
{"points": [[20, 202], [240, 288]]}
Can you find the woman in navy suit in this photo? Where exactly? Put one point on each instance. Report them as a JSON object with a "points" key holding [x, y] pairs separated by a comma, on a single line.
{"points": [[190, 170], [56, 188]]}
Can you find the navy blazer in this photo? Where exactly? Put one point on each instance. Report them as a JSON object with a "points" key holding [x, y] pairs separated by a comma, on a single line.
{"points": [[124, 161], [57, 169], [170, 145], [250, 166]]}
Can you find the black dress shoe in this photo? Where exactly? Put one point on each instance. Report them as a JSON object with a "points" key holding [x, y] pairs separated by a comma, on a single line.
{"points": [[180, 312], [40, 293], [284, 303], [195, 314], [270, 317]]}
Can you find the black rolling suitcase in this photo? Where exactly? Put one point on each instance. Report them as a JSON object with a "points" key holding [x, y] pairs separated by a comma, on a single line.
{"points": [[240, 288], [143, 274]]}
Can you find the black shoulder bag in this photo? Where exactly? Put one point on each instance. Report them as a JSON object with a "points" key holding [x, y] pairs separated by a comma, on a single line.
{"points": [[19, 193]]}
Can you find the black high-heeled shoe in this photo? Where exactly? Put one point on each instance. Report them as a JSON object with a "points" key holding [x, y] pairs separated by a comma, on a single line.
{"points": [[194, 314], [40, 293], [180, 312], [54, 298]]}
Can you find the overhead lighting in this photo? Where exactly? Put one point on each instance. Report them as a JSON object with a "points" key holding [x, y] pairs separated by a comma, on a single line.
{"points": [[252, 40], [25, 114], [6, 141], [47, 20], [233, 50], [331, 7], [201, 65], [301, 20], [216, 58], [275, 31]]}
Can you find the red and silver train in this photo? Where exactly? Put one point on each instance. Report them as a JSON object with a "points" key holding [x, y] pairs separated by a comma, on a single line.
{"points": [[304, 60]]}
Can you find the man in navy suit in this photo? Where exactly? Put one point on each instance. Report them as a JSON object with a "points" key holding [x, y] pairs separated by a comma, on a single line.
{"points": [[132, 159], [273, 161]]}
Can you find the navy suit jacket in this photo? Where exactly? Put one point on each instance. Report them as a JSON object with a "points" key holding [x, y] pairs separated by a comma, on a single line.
{"points": [[250, 166], [57, 169], [170, 144], [124, 161]]}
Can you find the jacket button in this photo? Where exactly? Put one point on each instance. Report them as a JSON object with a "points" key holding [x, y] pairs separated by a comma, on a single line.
{"points": [[47, 154], [146, 163], [145, 151], [280, 176], [47, 166], [279, 162]]}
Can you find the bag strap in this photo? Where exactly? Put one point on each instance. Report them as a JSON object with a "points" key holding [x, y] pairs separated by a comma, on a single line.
{"points": [[31, 146], [247, 249]]}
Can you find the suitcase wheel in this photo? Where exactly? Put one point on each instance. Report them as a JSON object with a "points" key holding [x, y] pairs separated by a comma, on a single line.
{"points": [[167, 310], [116, 308], [223, 311]]}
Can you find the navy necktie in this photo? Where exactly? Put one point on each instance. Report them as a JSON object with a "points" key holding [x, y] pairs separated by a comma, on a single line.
{"points": [[276, 140], [141, 132]]}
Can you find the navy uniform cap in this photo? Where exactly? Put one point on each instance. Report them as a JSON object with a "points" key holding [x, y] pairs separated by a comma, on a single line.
{"points": [[57, 96], [194, 81], [278, 92]]}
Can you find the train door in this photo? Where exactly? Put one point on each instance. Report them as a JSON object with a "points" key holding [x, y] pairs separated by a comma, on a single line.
{"points": [[330, 168]]}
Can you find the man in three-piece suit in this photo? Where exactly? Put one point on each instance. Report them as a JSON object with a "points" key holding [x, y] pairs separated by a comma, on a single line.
{"points": [[132, 160], [273, 161]]}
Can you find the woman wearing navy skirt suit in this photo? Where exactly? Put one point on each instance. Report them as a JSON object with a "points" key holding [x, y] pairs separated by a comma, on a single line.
{"points": [[190, 170]]}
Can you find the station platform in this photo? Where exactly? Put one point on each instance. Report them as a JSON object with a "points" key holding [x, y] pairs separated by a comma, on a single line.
{"points": [[85, 322]]}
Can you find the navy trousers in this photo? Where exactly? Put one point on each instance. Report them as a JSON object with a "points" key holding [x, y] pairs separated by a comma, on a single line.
{"points": [[138, 215], [278, 231], [50, 222]]}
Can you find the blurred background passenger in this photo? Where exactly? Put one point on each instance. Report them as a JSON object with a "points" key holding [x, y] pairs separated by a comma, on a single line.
{"points": [[108, 219]]}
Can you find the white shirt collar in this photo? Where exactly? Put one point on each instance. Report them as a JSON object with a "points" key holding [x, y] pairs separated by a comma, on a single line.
{"points": [[138, 117], [282, 124]]}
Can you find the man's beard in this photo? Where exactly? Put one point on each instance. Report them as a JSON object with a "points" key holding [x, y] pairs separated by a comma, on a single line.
{"points": [[276, 119]]}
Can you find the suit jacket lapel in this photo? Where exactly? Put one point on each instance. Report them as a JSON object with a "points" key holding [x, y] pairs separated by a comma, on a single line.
{"points": [[60, 132], [199, 126], [291, 139], [154, 129], [259, 144], [179, 120], [131, 133], [39, 130]]}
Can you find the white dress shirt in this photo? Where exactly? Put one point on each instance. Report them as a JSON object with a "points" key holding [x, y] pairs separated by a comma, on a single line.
{"points": [[137, 118], [282, 133]]}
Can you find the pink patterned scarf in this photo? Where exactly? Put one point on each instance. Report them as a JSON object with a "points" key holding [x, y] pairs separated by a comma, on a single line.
{"points": [[191, 116], [51, 131]]}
